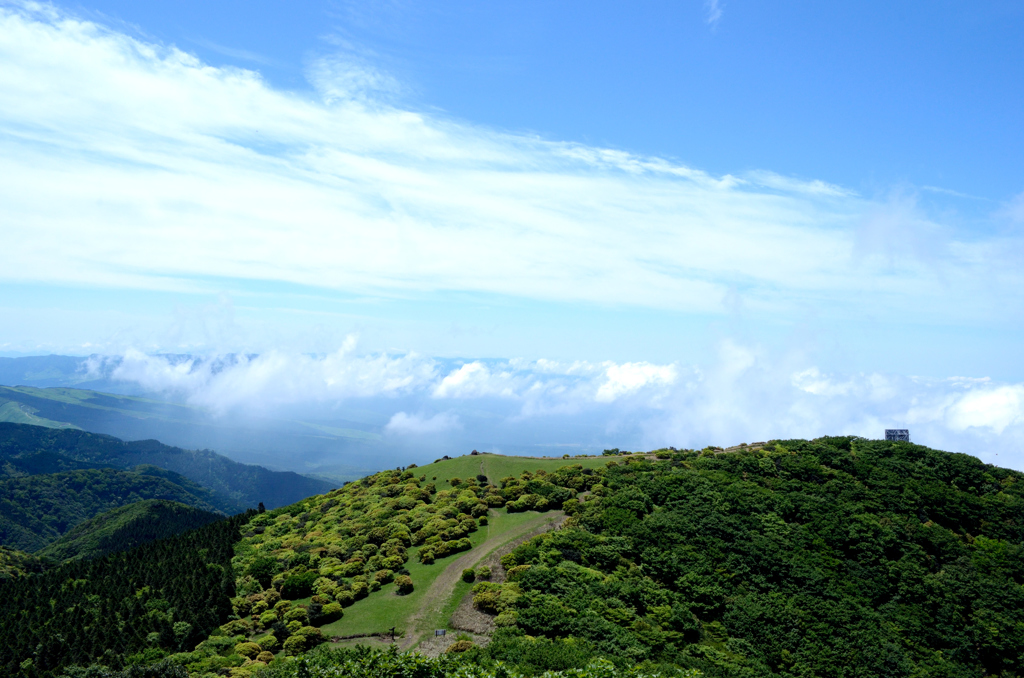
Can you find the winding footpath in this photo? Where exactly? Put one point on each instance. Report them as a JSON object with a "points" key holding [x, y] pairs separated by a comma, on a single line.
{"points": [[444, 584]]}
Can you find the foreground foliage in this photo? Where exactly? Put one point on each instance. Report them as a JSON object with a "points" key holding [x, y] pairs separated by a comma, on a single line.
{"points": [[364, 662], [126, 608]]}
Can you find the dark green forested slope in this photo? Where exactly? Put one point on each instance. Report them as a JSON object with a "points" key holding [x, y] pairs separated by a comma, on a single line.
{"points": [[168, 593], [14, 563], [39, 463], [835, 557], [37, 510], [126, 527], [239, 485]]}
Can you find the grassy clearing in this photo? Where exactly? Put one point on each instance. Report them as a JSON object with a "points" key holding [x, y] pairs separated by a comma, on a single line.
{"points": [[496, 466], [379, 611]]}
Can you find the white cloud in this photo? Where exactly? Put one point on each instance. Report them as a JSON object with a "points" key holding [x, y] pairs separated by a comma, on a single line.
{"points": [[628, 378], [476, 380], [750, 395], [240, 382], [417, 424], [134, 165], [994, 408], [713, 12]]}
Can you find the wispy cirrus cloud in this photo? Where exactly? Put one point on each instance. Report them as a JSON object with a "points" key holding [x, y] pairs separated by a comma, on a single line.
{"points": [[134, 165], [712, 12]]}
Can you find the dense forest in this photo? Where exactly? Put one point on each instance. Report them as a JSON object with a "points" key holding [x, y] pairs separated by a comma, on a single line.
{"points": [[235, 486], [837, 557], [122, 609], [14, 563], [124, 528], [37, 510]]}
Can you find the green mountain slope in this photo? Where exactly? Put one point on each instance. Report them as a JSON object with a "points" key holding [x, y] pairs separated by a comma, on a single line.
{"points": [[237, 486], [17, 413], [126, 527], [834, 557], [169, 593], [14, 563], [37, 510]]}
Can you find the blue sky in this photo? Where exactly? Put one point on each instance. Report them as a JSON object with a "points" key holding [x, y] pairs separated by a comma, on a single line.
{"points": [[679, 204]]}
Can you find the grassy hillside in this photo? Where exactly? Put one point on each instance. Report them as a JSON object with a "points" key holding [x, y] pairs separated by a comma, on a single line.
{"points": [[237, 486], [18, 413], [497, 466], [126, 527], [37, 510]]}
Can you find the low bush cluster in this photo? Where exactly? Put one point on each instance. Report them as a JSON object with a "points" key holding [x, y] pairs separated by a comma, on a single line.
{"points": [[364, 662]]}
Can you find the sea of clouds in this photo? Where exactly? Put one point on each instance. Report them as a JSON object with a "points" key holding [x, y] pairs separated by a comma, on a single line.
{"points": [[744, 396]]}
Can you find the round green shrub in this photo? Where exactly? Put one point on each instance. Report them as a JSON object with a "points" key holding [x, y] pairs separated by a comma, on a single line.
{"points": [[247, 650], [296, 614], [404, 584], [331, 612], [295, 645], [468, 575], [268, 643]]}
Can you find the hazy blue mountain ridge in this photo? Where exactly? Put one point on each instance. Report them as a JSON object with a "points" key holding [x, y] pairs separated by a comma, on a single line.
{"points": [[236, 486]]}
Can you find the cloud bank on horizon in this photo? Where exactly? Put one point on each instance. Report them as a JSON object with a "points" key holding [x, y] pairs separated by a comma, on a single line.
{"points": [[131, 165], [746, 395]]}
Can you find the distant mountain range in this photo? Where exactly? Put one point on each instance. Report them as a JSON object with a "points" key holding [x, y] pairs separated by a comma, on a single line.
{"points": [[54, 479], [60, 392], [236, 486]]}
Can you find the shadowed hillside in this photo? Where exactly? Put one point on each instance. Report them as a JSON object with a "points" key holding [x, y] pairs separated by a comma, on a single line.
{"points": [[124, 528], [238, 486]]}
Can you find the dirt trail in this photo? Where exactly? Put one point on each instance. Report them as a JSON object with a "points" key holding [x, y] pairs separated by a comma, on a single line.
{"points": [[442, 587]]}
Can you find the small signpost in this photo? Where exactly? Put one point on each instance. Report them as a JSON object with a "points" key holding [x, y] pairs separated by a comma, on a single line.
{"points": [[900, 434]]}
